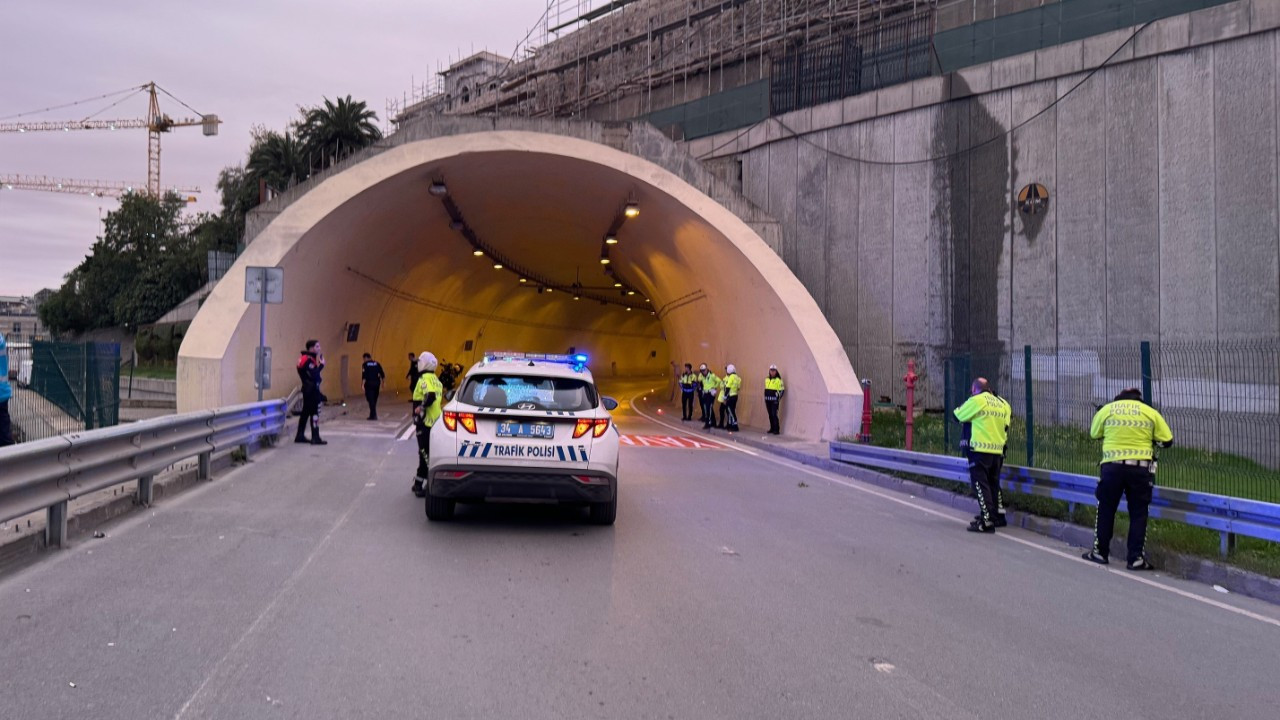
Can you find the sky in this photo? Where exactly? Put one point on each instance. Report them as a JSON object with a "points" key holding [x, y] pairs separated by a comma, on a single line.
{"points": [[251, 62]]}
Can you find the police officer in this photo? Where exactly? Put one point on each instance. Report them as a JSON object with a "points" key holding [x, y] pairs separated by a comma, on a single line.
{"points": [[310, 363], [729, 389], [448, 376], [1128, 428], [688, 390], [708, 384], [427, 398], [773, 392], [371, 379], [6, 392], [990, 415]]}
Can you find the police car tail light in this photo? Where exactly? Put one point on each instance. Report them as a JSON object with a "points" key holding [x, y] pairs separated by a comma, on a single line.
{"points": [[591, 480], [581, 427], [452, 474], [468, 421], [451, 420], [599, 427]]}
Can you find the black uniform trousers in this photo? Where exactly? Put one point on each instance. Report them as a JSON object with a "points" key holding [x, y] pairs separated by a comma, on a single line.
{"points": [[686, 403], [708, 409], [310, 416], [729, 413], [771, 405], [371, 391], [1135, 484], [984, 475], [6, 427], [424, 447]]}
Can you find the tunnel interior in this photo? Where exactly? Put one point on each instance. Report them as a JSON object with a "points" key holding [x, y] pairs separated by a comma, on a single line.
{"points": [[403, 257]]}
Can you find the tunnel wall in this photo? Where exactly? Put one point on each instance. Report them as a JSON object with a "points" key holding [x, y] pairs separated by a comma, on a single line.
{"points": [[1163, 217], [722, 293]]}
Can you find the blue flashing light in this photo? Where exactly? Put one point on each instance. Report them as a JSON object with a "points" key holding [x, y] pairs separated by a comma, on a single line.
{"points": [[578, 361]]}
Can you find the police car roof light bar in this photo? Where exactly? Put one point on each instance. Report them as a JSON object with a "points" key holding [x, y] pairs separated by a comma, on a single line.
{"points": [[578, 360]]}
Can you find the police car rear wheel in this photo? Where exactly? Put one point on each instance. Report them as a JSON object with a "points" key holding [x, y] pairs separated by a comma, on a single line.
{"points": [[439, 508], [604, 513]]}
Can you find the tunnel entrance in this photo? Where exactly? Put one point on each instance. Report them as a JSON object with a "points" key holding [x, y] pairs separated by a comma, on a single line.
{"points": [[529, 242]]}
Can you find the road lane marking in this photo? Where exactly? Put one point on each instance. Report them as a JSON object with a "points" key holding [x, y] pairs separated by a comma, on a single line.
{"points": [[682, 442], [1126, 574], [727, 446]]}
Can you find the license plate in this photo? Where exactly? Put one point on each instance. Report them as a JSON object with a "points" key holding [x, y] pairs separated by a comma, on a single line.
{"points": [[539, 430]]}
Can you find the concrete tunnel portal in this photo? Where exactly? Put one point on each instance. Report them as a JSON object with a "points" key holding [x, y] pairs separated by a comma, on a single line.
{"points": [[374, 246]]}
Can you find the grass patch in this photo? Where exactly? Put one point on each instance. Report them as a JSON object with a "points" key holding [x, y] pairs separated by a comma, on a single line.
{"points": [[1066, 450], [151, 372]]}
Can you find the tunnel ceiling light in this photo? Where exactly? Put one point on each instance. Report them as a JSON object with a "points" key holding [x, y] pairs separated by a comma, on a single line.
{"points": [[577, 297], [524, 280], [477, 252], [631, 210], [628, 309], [617, 284], [497, 266], [610, 239], [631, 292], [604, 261], [550, 289], [438, 189], [647, 300]]}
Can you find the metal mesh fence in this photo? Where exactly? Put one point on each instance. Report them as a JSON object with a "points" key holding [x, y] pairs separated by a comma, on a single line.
{"points": [[60, 388], [1222, 401]]}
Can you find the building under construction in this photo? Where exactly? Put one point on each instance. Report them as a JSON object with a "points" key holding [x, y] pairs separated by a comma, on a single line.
{"points": [[660, 60]]}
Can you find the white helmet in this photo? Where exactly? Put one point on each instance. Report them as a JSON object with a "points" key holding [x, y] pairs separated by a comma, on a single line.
{"points": [[773, 367], [427, 362], [731, 368], [702, 367]]}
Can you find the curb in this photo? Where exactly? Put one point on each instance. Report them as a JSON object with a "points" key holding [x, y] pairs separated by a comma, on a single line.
{"points": [[25, 550], [1189, 567]]}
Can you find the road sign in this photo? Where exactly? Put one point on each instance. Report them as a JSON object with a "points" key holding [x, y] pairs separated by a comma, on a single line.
{"points": [[264, 285]]}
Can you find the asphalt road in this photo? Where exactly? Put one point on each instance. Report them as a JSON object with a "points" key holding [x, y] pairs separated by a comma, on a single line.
{"points": [[309, 584]]}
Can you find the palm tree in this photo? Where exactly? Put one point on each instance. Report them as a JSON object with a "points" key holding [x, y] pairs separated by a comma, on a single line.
{"points": [[280, 159], [334, 130]]}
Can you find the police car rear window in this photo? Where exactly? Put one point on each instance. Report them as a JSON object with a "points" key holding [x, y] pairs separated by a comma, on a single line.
{"points": [[529, 392]]}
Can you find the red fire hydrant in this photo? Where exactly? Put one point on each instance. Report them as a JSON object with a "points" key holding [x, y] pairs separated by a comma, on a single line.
{"points": [[910, 379], [864, 436]]}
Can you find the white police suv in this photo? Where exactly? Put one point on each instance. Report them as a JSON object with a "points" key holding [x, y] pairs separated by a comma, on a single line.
{"points": [[526, 427]]}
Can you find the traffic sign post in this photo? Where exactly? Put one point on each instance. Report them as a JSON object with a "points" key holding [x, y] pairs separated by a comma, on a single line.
{"points": [[265, 286]]}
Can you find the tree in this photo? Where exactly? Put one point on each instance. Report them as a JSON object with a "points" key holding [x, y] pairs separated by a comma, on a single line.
{"points": [[334, 130], [144, 264], [279, 159]]}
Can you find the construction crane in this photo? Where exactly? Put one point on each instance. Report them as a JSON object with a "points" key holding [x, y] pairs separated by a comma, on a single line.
{"points": [[92, 188], [155, 123]]}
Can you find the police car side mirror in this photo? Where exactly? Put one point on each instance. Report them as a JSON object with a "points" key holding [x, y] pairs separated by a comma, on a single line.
{"points": [[448, 395], [609, 403]]}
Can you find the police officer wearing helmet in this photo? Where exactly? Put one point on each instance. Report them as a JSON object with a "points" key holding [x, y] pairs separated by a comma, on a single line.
{"points": [[989, 415], [729, 389], [773, 391], [427, 399], [708, 384], [1129, 429], [688, 390]]}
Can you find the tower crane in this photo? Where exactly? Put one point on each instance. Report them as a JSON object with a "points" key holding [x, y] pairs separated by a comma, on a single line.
{"points": [[156, 123]]}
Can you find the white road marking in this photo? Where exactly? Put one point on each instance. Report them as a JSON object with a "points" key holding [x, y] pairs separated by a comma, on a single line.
{"points": [[405, 435], [1126, 574]]}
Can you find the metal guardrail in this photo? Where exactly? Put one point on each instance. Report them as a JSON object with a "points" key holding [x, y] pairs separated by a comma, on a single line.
{"points": [[48, 474], [1228, 516]]}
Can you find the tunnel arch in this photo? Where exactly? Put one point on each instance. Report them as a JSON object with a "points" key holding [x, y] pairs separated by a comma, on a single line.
{"points": [[370, 246]]}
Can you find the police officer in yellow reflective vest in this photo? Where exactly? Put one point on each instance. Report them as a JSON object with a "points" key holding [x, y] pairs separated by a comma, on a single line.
{"points": [[729, 389], [773, 391], [688, 390], [427, 398], [1129, 429], [708, 384], [989, 415]]}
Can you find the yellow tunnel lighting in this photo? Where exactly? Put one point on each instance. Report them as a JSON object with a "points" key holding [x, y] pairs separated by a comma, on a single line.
{"points": [[610, 239], [524, 280], [497, 266], [632, 210], [477, 252], [617, 284], [604, 261], [577, 297], [631, 292]]}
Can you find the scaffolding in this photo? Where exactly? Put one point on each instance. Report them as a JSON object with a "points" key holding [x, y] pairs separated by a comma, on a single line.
{"points": [[617, 59]]}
